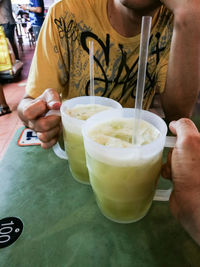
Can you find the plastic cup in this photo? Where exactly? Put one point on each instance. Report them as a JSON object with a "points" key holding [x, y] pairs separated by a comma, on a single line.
{"points": [[124, 179], [72, 134]]}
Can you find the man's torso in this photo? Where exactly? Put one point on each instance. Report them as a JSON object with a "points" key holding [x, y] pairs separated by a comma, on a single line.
{"points": [[76, 22]]}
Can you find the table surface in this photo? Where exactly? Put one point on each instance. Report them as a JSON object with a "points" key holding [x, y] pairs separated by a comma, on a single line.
{"points": [[64, 227]]}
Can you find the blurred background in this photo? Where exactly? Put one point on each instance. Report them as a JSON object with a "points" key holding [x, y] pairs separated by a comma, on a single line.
{"points": [[14, 65]]}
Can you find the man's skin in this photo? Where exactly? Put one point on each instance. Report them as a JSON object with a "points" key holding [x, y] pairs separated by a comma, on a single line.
{"points": [[182, 84], [36, 9], [183, 168]]}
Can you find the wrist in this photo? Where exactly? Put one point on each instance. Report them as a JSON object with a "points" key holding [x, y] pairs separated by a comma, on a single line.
{"points": [[187, 19], [192, 224], [189, 215]]}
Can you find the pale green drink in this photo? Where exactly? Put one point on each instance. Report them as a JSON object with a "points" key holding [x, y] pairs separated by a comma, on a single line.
{"points": [[76, 156], [73, 140], [124, 188]]}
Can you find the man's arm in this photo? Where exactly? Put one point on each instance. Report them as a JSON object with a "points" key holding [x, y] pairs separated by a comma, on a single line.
{"points": [[183, 169], [183, 77], [37, 9]]}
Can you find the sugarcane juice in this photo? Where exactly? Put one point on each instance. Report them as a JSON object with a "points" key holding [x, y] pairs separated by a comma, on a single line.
{"points": [[73, 140], [125, 187]]}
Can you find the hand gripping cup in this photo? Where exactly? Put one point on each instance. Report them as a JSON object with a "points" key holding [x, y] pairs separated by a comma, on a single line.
{"points": [[72, 121], [124, 178]]}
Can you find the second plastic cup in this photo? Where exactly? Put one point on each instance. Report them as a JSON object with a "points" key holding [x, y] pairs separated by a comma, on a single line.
{"points": [[72, 133]]}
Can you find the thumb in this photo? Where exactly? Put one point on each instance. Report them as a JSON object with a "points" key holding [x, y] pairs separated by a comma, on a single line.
{"points": [[52, 99], [183, 127]]}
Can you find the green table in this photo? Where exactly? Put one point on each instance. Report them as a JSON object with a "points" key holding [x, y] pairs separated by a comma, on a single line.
{"points": [[64, 227]]}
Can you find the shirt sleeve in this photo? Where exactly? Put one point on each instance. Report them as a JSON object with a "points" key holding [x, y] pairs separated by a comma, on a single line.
{"points": [[48, 69]]}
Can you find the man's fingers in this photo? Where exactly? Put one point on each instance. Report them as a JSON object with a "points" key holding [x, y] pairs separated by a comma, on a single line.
{"points": [[34, 109], [52, 98], [183, 127], [186, 131], [45, 137], [44, 124], [49, 100], [49, 144]]}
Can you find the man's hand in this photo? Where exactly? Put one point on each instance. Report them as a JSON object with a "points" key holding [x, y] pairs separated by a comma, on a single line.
{"points": [[32, 113], [37, 9], [183, 168]]}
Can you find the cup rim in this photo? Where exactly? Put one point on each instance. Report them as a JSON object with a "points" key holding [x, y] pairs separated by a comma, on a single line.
{"points": [[124, 149], [71, 100]]}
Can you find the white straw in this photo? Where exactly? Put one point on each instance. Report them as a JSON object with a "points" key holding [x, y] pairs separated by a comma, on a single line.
{"points": [[144, 42], [91, 53]]}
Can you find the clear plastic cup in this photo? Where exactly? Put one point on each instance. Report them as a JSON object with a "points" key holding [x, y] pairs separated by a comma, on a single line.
{"points": [[124, 179], [72, 133]]}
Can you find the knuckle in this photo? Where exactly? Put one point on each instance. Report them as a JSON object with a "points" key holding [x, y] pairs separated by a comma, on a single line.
{"points": [[28, 114], [54, 141], [44, 146], [43, 137], [31, 124], [57, 121], [48, 123], [43, 124], [51, 94], [49, 144], [185, 121], [190, 140], [48, 91], [55, 131], [33, 110], [47, 136], [52, 122]]}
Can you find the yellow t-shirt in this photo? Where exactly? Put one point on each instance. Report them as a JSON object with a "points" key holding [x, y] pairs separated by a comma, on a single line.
{"points": [[61, 59]]}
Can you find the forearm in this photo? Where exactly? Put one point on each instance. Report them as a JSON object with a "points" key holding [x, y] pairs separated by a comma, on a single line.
{"points": [[183, 77], [193, 229], [35, 9], [189, 216]]}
